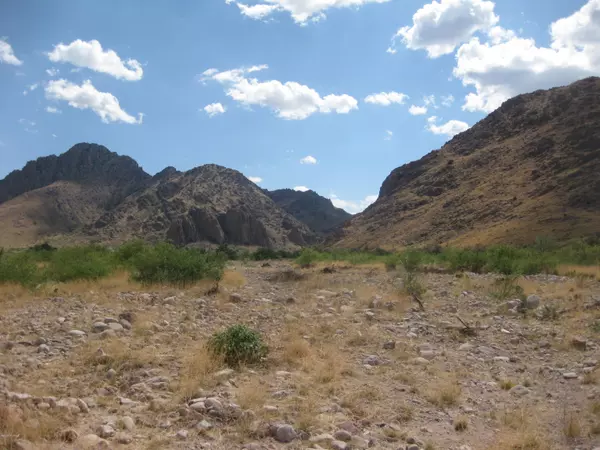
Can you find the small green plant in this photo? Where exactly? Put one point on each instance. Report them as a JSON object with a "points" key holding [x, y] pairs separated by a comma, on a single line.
{"points": [[507, 287], [412, 284], [507, 385], [238, 345], [18, 268], [595, 326], [411, 260], [307, 257]]}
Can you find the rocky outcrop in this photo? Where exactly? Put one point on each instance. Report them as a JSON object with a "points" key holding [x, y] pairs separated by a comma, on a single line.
{"points": [[528, 169], [309, 207]]}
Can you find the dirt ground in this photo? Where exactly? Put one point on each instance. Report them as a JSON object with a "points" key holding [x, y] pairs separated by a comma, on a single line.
{"points": [[353, 363]]}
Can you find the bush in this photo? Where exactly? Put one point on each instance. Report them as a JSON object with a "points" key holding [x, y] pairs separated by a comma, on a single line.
{"points": [[411, 260], [237, 345], [412, 285], [126, 252], [230, 253], [164, 263], [507, 287], [307, 257], [18, 268], [88, 262]]}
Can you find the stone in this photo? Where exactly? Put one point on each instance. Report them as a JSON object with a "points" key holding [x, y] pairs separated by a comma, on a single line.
{"points": [[111, 373], [579, 343], [501, 359], [519, 390], [125, 324], [223, 374], [372, 360], [389, 345], [128, 423], [92, 442], [465, 347], [123, 438], [204, 425], [77, 333], [129, 316], [98, 327], [198, 406], [342, 435], [69, 435], [339, 445], [115, 326], [108, 334], [43, 348], [83, 407], [412, 447], [427, 354], [285, 434], [182, 435], [349, 427], [569, 375], [213, 403], [105, 431], [420, 361], [532, 302], [235, 298]]}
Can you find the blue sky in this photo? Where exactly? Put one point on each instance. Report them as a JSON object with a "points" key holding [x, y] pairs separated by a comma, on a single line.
{"points": [[360, 86]]}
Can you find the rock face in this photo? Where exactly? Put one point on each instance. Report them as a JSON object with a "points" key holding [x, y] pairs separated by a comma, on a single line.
{"points": [[207, 204], [309, 207], [528, 169], [91, 193]]}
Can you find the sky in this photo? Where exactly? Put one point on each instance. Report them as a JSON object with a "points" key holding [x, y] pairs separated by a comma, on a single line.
{"points": [[328, 95]]}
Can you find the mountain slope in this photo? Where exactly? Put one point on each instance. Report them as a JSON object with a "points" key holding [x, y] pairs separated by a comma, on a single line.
{"points": [[207, 204], [528, 169], [309, 207]]}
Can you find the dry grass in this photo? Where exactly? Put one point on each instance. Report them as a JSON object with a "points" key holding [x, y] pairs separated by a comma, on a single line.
{"points": [[252, 395], [30, 424], [198, 367], [573, 270], [461, 423], [443, 393], [572, 426]]}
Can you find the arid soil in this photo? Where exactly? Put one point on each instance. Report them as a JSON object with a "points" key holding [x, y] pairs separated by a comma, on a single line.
{"points": [[353, 364]]}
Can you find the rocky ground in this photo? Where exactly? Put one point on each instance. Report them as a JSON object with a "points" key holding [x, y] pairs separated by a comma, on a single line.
{"points": [[353, 364]]}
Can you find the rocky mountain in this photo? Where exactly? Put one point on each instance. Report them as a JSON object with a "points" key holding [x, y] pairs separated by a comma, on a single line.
{"points": [[309, 207], [207, 204], [92, 193], [528, 169]]}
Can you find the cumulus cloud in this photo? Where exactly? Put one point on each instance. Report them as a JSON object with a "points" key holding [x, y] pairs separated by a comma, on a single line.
{"points": [[255, 179], [350, 206], [7, 55], [450, 128], [214, 109], [308, 160], [289, 100], [52, 71], [53, 110], [447, 100], [386, 98], [301, 11], [86, 96], [417, 110], [439, 27], [91, 55], [508, 65]]}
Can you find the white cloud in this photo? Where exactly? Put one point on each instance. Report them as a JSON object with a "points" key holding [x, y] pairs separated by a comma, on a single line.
{"points": [[91, 55], [255, 179], [386, 98], [31, 87], [352, 207], [439, 27], [86, 96], [54, 136], [447, 100], [52, 71], [308, 160], [257, 12], [450, 128], [301, 11], [508, 66], [214, 109], [301, 188], [27, 122], [7, 55], [290, 100], [388, 135], [417, 110], [53, 110]]}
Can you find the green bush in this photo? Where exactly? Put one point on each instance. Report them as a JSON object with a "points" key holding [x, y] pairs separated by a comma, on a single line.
{"points": [[167, 264], [411, 260], [88, 262], [307, 257], [126, 252], [507, 287], [238, 345], [18, 268]]}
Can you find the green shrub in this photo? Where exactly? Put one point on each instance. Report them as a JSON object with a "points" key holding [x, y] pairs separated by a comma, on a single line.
{"points": [[126, 252], [307, 257], [18, 268], [411, 260], [166, 264], [507, 287], [412, 284], [238, 345], [230, 253], [88, 262]]}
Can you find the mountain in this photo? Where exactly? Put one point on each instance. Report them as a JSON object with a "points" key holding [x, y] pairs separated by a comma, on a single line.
{"points": [[89, 193], [207, 204], [309, 207], [528, 169]]}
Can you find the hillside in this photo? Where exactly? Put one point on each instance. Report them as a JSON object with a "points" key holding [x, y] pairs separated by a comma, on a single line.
{"points": [[90, 193], [309, 207], [528, 169]]}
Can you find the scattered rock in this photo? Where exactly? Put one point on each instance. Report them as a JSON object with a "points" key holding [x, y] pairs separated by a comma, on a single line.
{"points": [[182, 435], [569, 375], [69, 435], [389, 345], [343, 435], [519, 390], [579, 343], [128, 423], [285, 433], [92, 442], [532, 302], [105, 431]]}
